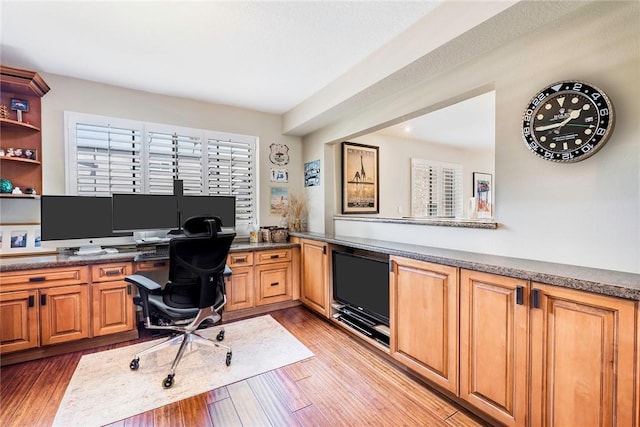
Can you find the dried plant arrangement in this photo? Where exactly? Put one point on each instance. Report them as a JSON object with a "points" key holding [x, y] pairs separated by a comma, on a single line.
{"points": [[296, 212]]}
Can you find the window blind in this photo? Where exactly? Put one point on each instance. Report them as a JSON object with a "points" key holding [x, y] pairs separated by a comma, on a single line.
{"points": [[109, 155], [436, 189]]}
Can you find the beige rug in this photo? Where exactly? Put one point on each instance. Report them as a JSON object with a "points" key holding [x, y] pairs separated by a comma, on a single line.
{"points": [[103, 389]]}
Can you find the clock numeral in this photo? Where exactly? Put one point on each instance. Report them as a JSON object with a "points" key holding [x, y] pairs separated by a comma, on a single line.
{"points": [[567, 156], [601, 131], [595, 96], [587, 148], [539, 98], [548, 154], [526, 130], [577, 86], [527, 115], [604, 111]]}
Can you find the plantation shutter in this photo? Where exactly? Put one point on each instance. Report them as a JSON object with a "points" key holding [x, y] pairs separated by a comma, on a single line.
{"points": [[174, 155], [107, 155], [436, 189], [231, 171]]}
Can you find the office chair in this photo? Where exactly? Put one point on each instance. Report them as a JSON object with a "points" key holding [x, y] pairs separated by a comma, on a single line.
{"points": [[195, 292]]}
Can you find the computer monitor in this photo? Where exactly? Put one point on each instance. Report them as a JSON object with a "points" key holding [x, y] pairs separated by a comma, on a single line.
{"points": [[220, 206], [78, 221], [137, 212]]}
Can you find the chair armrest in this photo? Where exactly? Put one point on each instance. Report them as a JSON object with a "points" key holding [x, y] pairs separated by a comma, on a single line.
{"points": [[227, 271], [139, 280]]}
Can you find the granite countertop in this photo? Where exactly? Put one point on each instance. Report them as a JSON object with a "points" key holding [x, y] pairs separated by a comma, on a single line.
{"points": [[125, 254], [606, 282]]}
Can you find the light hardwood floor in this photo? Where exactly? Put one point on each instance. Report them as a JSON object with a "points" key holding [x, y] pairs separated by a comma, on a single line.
{"points": [[346, 383]]}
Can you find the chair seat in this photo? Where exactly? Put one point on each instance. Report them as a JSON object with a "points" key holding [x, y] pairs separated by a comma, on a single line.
{"points": [[172, 312]]}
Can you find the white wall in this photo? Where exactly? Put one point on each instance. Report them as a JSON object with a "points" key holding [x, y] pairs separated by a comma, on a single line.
{"points": [[586, 213], [94, 98]]}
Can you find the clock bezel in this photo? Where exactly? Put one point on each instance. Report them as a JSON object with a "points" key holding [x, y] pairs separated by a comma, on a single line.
{"points": [[584, 89]]}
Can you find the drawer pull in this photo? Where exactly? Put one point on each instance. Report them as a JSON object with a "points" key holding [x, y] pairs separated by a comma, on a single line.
{"points": [[275, 283], [37, 279], [43, 299], [32, 301], [112, 272], [243, 259], [275, 256], [159, 264]]}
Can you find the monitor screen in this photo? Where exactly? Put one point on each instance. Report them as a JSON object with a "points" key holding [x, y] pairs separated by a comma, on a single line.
{"points": [[363, 283], [220, 206], [71, 221], [133, 212]]}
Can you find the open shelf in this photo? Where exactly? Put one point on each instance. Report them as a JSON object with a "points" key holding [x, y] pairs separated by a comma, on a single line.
{"points": [[16, 124], [20, 159]]}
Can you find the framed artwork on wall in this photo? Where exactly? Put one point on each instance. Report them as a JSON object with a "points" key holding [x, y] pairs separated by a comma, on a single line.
{"points": [[482, 191], [360, 186]]}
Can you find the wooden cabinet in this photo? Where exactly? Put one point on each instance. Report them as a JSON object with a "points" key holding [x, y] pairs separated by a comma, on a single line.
{"points": [[64, 314], [19, 321], [494, 345], [582, 358], [25, 135], [314, 286], [112, 299], [240, 286], [259, 278], [424, 319]]}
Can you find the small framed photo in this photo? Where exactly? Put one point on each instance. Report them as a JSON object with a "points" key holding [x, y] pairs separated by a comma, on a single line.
{"points": [[482, 192], [21, 239], [19, 104]]}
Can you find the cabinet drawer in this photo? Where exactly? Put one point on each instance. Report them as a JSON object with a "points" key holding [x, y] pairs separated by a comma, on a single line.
{"points": [[152, 265], [110, 272], [271, 256], [240, 259], [33, 279]]}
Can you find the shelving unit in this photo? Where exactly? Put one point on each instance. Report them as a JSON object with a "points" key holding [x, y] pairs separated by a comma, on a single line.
{"points": [[22, 172]]}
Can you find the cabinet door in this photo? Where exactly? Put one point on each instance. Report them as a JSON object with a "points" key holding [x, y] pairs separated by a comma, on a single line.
{"points": [[314, 289], [64, 314], [493, 345], [273, 283], [18, 321], [424, 319], [582, 359], [112, 307], [239, 289]]}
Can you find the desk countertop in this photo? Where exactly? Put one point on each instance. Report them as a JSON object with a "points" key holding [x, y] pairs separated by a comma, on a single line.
{"points": [[62, 260], [605, 282]]}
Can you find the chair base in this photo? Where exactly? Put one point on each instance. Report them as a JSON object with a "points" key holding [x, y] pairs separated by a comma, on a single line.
{"points": [[185, 335]]}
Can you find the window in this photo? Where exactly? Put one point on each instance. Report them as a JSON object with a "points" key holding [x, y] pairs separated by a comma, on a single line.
{"points": [[108, 155], [436, 189]]}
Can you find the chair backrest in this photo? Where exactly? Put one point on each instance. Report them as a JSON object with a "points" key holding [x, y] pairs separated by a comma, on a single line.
{"points": [[196, 264]]}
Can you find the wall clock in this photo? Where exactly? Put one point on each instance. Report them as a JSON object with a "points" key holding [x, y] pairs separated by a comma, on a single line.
{"points": [[568, 121]]}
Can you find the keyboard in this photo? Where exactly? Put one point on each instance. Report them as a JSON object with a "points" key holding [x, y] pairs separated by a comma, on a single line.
{"points": [[161, 252]]}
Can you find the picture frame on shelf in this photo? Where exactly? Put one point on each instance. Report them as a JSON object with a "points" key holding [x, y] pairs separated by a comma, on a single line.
{"points": [[360, 182], [21, 239], [18, 104], [483, 193]]}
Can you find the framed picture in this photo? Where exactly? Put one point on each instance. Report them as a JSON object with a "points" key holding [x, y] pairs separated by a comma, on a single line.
{"points": [[19, 104], [482, 191], [21, 239], [312, 173], [279, 200], [360, 186], [279, 175]]}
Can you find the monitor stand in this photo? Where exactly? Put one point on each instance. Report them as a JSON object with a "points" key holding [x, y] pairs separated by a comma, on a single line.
{"points": [[90, 250]]}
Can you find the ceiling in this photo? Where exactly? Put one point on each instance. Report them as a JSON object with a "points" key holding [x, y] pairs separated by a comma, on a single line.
{"points": [[261, 55]]}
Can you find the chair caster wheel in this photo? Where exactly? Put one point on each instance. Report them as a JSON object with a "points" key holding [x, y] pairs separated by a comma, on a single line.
{"points": [[220, 336], [135, 364], [228, 361], [168, 382]]}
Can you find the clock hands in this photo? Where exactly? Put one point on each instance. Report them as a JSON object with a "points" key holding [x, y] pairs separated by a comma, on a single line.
{"points": [[574, 114]]}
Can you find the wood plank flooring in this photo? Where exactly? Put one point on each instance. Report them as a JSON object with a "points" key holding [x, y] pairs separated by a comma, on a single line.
{"points": [[345, 384]]}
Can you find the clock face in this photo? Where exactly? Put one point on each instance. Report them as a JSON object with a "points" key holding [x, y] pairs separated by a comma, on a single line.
{"points": [[568, 121]]}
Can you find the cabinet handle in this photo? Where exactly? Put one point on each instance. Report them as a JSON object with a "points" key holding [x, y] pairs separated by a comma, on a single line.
{"points": [[535, 298], [43, 299], [112, 272], [275, 283], [32, 301], [37, 279], [275, 256], [129, 289], [324, 250], [519, 293], [243, 259], [159, 264]]}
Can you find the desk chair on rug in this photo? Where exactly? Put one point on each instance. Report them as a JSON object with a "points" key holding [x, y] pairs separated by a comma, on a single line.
{"points": [[195, 292]]}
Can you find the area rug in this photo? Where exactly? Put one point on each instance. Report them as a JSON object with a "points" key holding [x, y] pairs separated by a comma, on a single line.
{"points": [[103, 389]]}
